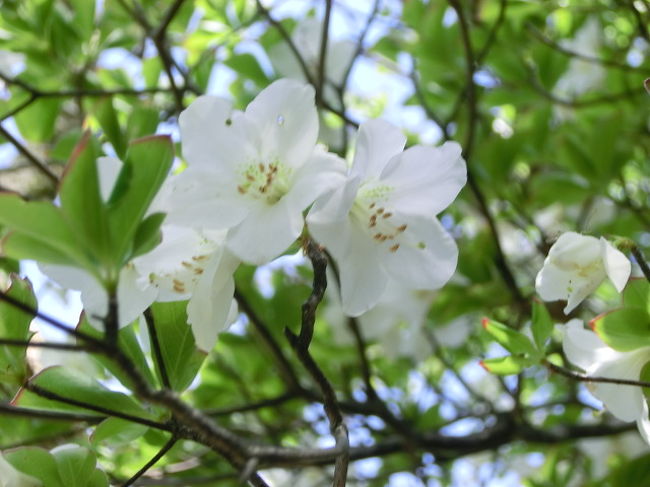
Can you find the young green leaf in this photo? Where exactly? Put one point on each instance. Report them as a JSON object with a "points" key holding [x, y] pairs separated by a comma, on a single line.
{"points": [[512, 340], [147, 164], [542, 324], [107, 118], [508, 365], [182, 359], [623, 329]]}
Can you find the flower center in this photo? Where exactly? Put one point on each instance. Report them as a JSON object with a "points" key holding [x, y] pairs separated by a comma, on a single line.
{"points": [[267, 182], [370, 212]]}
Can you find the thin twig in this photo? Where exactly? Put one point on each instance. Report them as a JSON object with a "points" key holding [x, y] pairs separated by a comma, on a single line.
{"points": [[35, 161], [10, 410], [585, 378], [72, 347], [161, 453], [322, 59], [155, 345]]}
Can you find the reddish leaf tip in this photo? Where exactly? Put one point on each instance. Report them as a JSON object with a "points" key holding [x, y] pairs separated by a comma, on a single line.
{"points": [[485, 367], [485, 322]]}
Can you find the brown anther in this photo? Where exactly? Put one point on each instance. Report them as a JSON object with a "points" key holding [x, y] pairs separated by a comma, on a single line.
{"points": [[372, 205], [261, 167], [263, 188], [394, 248], [384, 238], [380, 211], [200, 257], [377, 236], [241, 189], [198, 271], [401, 228], [250, 177], [387, 215], [187, 264]]}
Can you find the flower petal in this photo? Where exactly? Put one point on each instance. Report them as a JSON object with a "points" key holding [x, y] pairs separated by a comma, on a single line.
{"points": [[362, 280], [210, 136], [323, 172], [426, 179], [378, 141], [266, 232], [132, 296], [284, 122], [209, 308], [426, 259], [617, 266]]}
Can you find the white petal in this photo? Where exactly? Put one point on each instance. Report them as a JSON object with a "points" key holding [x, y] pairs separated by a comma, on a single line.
{"points": [[581, 287], [624, 402], [209, 307], [328, 220], [339, 57], [617, 266], [378, 141], [266, 232], [132, 297], [285, 122], [323, 172], [362, 280], [211, 135], [205, 200], [643, 423], [426, 258], [285, 63], [93, 295], [426, 179], [108, 169], [582, 347], [572, 249]]}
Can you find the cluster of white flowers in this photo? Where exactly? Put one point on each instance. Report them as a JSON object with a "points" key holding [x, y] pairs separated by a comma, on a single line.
{"points": [[251, 175], [576, 265]]}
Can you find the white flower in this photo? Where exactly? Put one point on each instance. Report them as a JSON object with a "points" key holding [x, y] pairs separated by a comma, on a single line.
{"points": [[381, 223], [586, 350], [307, 37], [582, 75], [194, 266], [10, 477], [254, 172], [576, 265]]}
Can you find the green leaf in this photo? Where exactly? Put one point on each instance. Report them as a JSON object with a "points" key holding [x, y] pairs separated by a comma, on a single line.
{"points": [[510, 339], [623, 329], [143, 121], [146, 166], [181, 356], [36, 122], [247, 65], [14, 324], [542, 324], [41, 222], [107, 118], [75, 465], [128, 343], [148, 234], [117, 431], [637, 294], [74, 384], [508, 365], [82, 205], [21, 246], [36, 462]]}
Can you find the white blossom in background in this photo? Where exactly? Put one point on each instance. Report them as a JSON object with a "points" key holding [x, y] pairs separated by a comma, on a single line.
{"points": [[10, 477], [381, 223], [306, 37], [581, 76], [252, 173], [584, 349], [576, 265], [599, 450]]}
